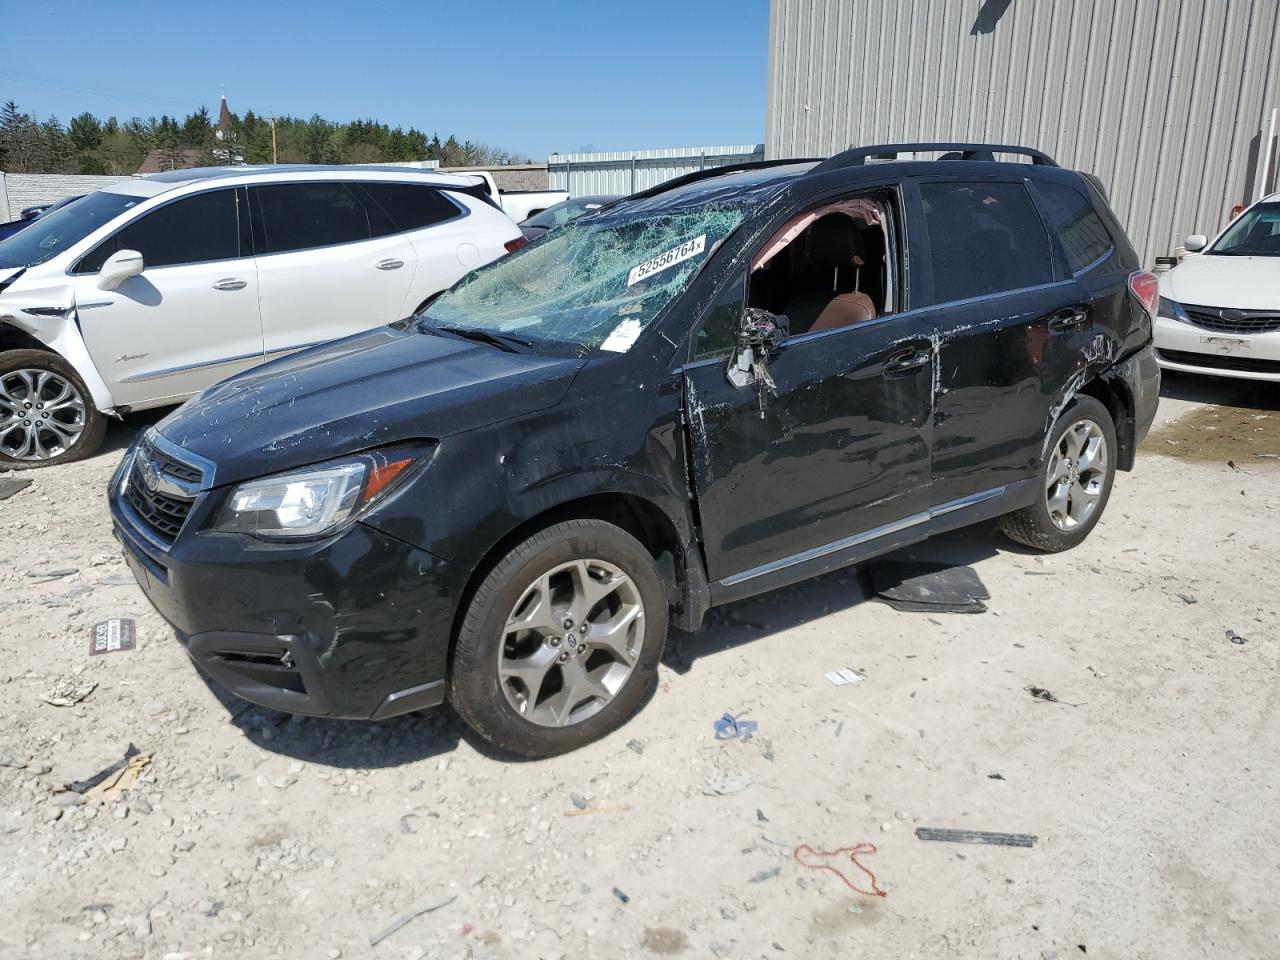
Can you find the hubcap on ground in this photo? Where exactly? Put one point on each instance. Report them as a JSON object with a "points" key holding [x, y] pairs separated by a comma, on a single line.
{"points": [[41, 414], [1077, 471], [571, 643]]}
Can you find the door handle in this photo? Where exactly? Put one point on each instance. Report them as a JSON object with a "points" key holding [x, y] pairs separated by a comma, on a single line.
{"points": [[904, 361], [391, 263], [230, 283], [1068, 319]]}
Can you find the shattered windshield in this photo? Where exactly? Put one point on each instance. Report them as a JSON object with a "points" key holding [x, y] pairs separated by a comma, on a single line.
{"points": [[593, 284]]}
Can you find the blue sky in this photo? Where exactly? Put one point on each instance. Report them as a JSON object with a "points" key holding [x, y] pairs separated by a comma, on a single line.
{"points": [[532, 77]]}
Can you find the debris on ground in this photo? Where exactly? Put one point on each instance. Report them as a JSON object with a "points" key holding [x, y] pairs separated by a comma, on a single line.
{"points": [[844, 677], [1236, 638], [621, 896], [112, 636], [1186, 598], [729, 727], [108, 782], [68, 690], [590, 811], [1040, 693], [636, 746], [377, 938], [724, 786], [579, 801], [919, 587], [55, 573], [807, 856], [9, 487], [995, 776], [764, 875], [976, 836]]}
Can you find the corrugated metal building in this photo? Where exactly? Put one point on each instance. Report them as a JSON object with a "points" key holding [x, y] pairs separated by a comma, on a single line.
{"points": [[626, 171], [1169, 101]]}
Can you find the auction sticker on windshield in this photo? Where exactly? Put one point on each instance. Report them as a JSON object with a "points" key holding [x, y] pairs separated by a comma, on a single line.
{"points": [[690, 248]]}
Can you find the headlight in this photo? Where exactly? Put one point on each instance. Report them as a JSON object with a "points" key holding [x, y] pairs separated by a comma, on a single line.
{"points": [[1171, 310], [315, 501]]}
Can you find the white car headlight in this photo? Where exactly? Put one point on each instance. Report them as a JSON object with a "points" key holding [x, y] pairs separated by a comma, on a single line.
{"points": [[315, 501], [1171, 310]]}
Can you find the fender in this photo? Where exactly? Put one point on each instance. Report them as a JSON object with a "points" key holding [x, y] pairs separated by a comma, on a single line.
{"points": [[55, 323]]}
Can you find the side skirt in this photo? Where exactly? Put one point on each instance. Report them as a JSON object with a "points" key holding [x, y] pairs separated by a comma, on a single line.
{"points": [[872, 543]]}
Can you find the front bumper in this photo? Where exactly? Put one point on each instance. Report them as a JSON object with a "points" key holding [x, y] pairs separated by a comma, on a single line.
{"points": [[1191, 349], [356, 626]]}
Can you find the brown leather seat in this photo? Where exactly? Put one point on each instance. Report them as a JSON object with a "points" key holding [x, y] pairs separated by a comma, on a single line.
{"points": [[834, 244]]}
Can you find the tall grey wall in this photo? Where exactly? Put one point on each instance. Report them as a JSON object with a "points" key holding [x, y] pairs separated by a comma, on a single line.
{"points": [[19, 190], [1166, 100]]}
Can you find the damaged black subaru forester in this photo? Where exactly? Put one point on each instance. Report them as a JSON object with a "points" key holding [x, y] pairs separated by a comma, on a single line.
{"points": [[728, 383]]}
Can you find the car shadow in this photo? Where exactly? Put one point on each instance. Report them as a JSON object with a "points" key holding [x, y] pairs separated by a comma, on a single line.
{"points": [[357, 744], [121, 433], [755, 618], [1220, 391]]}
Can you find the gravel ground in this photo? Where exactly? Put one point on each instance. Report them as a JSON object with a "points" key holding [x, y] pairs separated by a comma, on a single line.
{"points": [[1151, 785]]}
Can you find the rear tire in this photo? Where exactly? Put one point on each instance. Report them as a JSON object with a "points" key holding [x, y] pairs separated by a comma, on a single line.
{"points": [[47, 416], [1073, 483], [560, 643]]}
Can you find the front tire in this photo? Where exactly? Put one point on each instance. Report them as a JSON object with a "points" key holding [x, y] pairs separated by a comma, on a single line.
{"points": [[560, 643], [1074, 481], [46, 413]]}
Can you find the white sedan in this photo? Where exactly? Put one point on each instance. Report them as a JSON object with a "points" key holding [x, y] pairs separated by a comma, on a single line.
{"points": [[1220, 309]]}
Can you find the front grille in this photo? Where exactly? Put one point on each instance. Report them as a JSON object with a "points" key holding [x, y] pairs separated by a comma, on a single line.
{"points": [[162, 512], [1217, 361], [1249, 321]]}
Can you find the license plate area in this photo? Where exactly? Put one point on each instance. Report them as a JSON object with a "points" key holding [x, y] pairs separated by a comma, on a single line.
{"points": [[1231, 346]]}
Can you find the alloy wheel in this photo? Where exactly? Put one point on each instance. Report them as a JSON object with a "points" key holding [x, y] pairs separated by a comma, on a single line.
{"points": [[42, 414], [1077, 474], [571, 642]]}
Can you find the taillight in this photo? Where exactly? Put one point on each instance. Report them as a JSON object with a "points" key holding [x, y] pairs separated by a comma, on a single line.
{"points": [[514, 245], [1146, 287], [1238, 209]]}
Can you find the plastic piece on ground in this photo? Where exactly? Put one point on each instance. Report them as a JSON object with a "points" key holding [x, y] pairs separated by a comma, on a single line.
{"points": [[730, 728], [928, 587], [977, 836]]}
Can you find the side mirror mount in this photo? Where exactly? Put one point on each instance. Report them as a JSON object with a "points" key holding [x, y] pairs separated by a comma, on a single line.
{"points": [[118, 268], [1195, 243], [759, 336]]}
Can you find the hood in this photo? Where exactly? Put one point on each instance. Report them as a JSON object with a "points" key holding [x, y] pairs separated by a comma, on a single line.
{"points": [[1246, 283], [366, 391]]}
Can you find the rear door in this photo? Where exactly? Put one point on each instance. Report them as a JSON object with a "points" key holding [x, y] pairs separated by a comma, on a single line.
{"points": [[328, 264], [447, 240], [191, 317], [1012, 328]]}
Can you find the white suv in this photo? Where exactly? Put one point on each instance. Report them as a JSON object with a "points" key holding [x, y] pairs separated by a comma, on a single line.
{"points": [[147, 292]]}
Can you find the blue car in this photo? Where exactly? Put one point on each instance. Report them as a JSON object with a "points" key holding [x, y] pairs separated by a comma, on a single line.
{"points": [[31, 214]]}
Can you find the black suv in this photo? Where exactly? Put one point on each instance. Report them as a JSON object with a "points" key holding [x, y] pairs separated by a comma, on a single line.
{"points": [[731, 382]]}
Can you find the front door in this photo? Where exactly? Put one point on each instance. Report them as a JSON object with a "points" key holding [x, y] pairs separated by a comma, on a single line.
{"points": [[190, 318], [328, 267], [841, 450]]}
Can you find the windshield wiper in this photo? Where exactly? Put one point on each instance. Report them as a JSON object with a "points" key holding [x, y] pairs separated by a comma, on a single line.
{"points": [[501, 340]]}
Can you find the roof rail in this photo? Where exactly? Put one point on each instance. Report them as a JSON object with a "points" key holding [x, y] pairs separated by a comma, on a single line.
{"points": [[715, 172], [857, 156]]}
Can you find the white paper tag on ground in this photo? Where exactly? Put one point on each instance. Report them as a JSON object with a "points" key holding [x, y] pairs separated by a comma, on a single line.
{"points": [[622, 337], [690, 248], [844, 677]]}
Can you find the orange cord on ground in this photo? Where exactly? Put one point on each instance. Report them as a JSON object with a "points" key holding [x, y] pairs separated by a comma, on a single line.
{"points": [[853, 853]]}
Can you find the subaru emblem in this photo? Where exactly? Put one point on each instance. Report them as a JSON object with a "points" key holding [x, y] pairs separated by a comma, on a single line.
{"points": [[150, 475], [1231, 314]]}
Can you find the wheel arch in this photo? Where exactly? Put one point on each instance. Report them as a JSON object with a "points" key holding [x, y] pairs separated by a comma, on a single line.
{"points": [[1113, 393], [679, 564], [63, 341]]}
